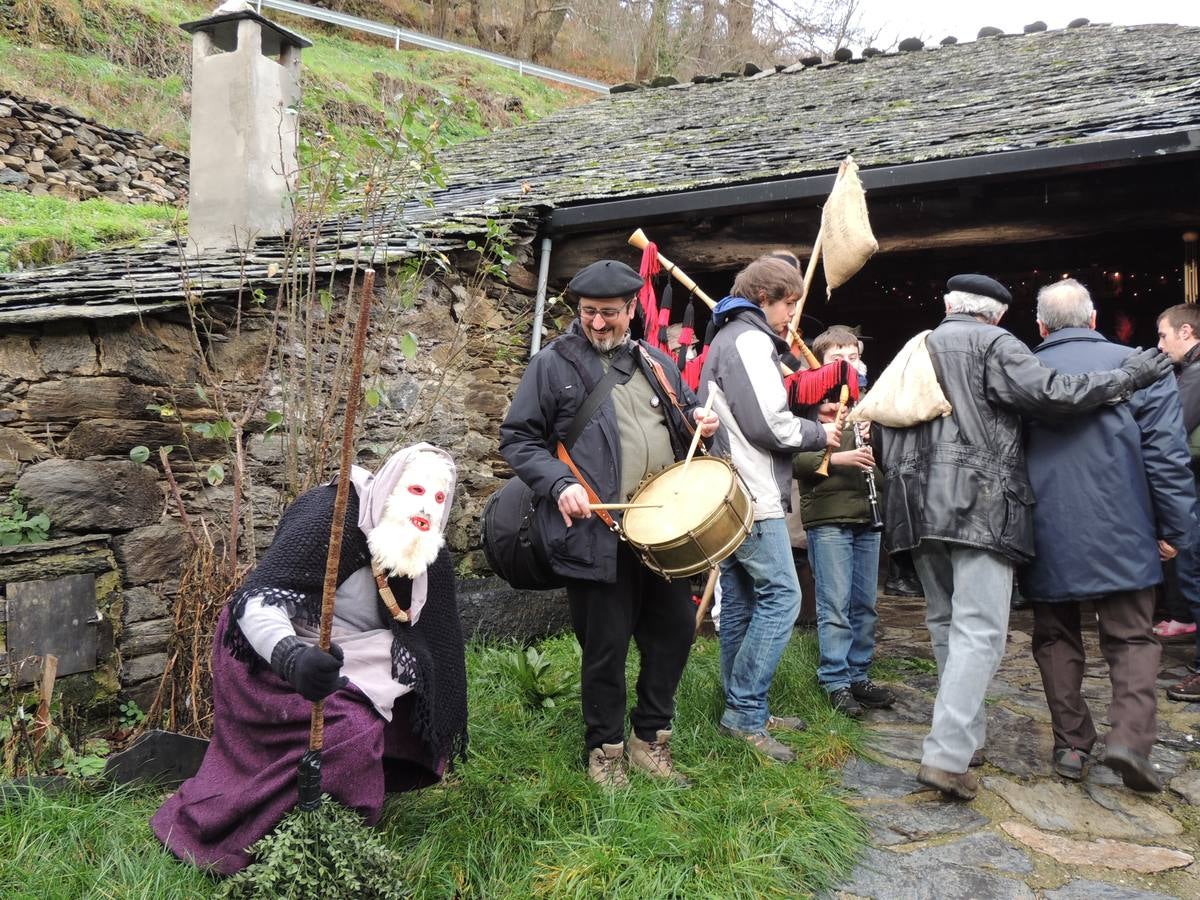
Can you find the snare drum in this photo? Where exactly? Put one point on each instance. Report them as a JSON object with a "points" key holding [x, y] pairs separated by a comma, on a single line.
{"points": [[700, 519]]}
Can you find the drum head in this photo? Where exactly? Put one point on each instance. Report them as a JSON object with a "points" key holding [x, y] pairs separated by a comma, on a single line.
{"points": [[687, 501]]}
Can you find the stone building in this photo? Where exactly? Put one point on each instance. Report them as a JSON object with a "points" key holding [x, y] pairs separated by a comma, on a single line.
{"points": [[1028, 156]]}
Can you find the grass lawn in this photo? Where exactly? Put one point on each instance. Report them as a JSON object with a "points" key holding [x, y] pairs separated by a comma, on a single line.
{"points": [[520, 818], [75, 226]]}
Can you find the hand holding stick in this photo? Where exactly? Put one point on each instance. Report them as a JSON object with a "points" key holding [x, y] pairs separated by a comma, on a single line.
{"points": [[840, 421], [712, 395]]}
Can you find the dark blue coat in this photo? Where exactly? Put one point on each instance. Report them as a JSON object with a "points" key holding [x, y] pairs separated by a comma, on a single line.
{"points": [[1108, 485]]}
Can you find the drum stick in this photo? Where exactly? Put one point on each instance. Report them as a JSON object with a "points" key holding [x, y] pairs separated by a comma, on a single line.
{"points": [[624, 506], [707, 597], [712, 395]]}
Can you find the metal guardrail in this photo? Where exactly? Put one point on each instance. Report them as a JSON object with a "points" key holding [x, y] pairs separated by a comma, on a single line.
{"points": [[399, 35]]}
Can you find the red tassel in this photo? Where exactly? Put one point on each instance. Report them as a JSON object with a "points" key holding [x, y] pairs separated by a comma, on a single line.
{"points": [[810, 387], [646, 299]]}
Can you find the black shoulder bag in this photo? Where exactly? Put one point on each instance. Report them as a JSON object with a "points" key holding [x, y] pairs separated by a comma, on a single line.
{"points": [[508, 526]]}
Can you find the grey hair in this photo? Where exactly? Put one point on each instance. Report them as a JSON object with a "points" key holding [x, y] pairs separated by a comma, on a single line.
{"points": [[1065, 304], [974, 305]]}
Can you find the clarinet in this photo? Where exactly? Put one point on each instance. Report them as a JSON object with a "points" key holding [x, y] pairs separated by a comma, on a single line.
{"points": [[869, 474]]}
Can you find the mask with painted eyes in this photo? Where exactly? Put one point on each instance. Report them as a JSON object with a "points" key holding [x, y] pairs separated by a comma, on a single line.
{"points": [[409, 536]]}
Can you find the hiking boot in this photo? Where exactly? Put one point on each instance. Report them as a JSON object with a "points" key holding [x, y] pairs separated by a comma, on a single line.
{"points": [[962, 785], [843, 701], [1068, 762], [1135, 770], [654, 758], [786, 723], [903, 586], [1187, 689], [606, 766], [762, 742], [872, 695]]}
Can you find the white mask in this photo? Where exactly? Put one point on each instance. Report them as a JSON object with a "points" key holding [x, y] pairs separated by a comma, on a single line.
{"points": [[407, 540]]}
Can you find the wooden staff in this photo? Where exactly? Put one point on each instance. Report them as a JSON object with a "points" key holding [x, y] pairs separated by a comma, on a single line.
{"points": [[706, 598], [310, 762], [840, 421], [639, 240]]}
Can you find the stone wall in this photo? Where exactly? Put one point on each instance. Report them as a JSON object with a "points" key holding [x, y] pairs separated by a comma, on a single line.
{"points": [[53, 150], [77, 396]]}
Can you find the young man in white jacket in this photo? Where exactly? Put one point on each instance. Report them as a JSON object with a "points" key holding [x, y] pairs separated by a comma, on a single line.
{"points": [[760, 595]]}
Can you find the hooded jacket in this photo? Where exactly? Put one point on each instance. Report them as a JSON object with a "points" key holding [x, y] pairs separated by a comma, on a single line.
{"points": [[758, 431]]}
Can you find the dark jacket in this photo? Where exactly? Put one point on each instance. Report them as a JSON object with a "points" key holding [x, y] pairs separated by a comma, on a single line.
{"points": [[1108, 484], [542, 410], [961, 478], [838, 499], [1189, 389]]}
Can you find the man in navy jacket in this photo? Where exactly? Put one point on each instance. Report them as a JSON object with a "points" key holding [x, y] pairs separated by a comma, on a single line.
{"points": [[1114, 494]]}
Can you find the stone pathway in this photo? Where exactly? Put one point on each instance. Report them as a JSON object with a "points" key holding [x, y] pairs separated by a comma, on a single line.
{"points": [[1029, 833]]}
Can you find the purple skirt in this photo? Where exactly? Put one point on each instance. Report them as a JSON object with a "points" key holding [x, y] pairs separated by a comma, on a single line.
{"points": [[248, 780]]}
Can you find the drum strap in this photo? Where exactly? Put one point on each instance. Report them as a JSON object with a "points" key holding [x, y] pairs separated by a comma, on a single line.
{"points": [[592, 495]]}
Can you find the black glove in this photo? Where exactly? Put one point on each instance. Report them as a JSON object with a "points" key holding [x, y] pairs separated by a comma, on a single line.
{"points": [[308, 668], [1145, 367]]}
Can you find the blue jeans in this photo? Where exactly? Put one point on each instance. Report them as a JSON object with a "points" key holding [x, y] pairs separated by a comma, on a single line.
{"points": [[845, 564], [760, 599]]}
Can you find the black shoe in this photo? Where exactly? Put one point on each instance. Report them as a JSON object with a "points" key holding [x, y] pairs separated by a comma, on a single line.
{"points": [[1068, 762], [1135, 770], [843, 701], [872, 695], [903, 586]]}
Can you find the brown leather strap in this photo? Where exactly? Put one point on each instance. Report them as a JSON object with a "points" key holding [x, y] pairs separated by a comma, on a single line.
{"points": [[592, 496], [389, 599], [657, 369]]}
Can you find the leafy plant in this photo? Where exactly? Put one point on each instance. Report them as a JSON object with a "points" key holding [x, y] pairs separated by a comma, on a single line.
{"points": [[130, 715], [541, 683], [17, 526]]}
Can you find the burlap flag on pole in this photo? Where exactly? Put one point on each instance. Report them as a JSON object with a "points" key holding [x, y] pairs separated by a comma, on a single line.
{"points": [[846, 239]]}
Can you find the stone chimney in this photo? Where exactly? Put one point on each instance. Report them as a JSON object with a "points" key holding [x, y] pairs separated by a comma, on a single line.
{"points": [[245, 99]]}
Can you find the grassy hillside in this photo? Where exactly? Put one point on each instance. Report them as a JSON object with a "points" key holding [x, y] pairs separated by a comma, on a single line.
{"points": [[126, 64]]}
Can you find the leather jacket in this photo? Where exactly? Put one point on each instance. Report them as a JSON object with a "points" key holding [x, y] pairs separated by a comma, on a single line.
{"points": [[962, 478]]}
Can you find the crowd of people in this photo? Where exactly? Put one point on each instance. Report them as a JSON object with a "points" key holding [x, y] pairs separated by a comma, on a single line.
{"points": [[1068, 468]]}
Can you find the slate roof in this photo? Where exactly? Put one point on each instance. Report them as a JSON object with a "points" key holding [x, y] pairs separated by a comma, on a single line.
{"points": [[1013, 92]]}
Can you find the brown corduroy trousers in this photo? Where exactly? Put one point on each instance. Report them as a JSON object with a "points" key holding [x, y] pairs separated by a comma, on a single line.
{"points": [[1128, 644]]}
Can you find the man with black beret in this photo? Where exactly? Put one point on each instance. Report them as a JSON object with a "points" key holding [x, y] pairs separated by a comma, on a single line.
{"points": [[957, 494], [643, 424]]}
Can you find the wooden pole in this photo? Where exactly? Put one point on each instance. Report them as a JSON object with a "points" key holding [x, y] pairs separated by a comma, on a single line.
{"points": [[41, 722], [706, 598]]}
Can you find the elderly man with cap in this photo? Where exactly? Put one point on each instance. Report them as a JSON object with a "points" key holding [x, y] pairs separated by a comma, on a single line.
{"points": [[638, 418], [957, 494]]}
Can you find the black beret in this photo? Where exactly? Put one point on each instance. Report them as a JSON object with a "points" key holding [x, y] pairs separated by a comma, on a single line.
{"points": [[605, 278], [981, 285]]}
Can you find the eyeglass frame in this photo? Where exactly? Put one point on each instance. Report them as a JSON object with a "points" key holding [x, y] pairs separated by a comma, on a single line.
{"points": [[608, 315]]}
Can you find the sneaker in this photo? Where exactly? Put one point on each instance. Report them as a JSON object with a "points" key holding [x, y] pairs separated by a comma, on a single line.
{"points": [[961, 785], [762, 742], [654, 758], [1068, 762], [786, 723], [872, 695], [843, 701], [1135, 770], [1170, 630], [606, 766], [1187, 690]]}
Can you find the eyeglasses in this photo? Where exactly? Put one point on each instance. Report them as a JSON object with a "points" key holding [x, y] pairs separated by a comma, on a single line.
{"points": [[587, 313]]}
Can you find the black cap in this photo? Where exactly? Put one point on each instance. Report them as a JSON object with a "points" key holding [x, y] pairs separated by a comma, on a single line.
{"points": [[605, 278], [981, 285]]}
